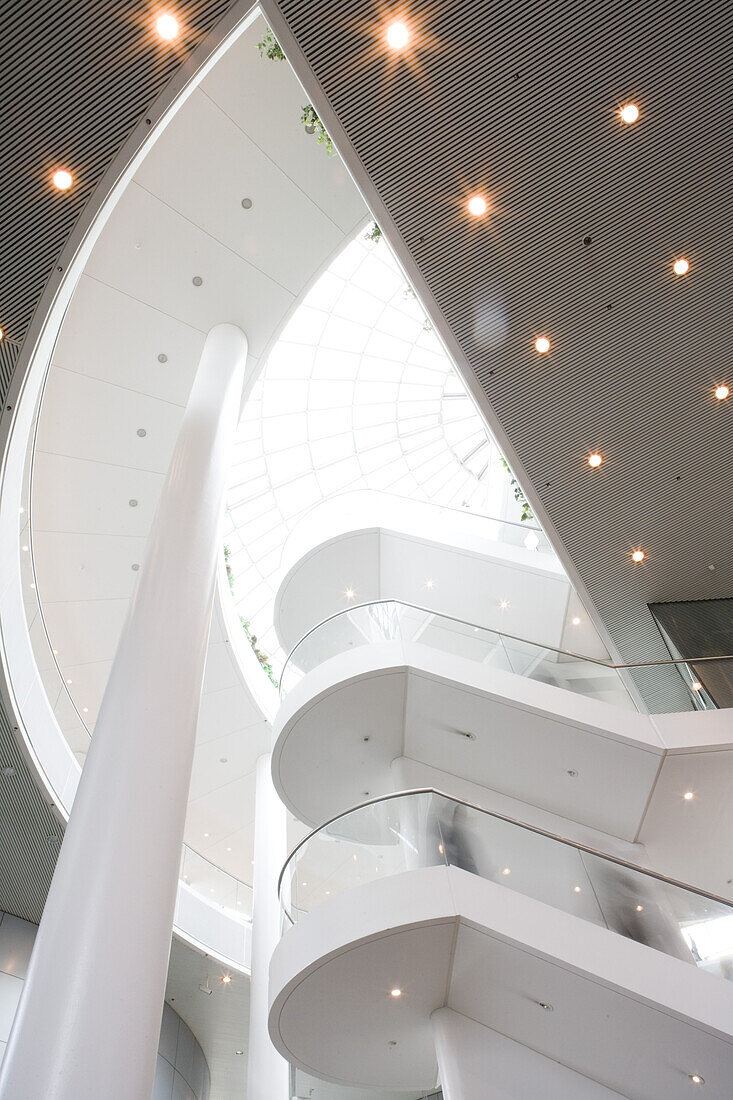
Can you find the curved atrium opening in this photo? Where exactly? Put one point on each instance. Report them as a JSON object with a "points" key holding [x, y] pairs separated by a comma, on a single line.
{"points": [[361, 725]]}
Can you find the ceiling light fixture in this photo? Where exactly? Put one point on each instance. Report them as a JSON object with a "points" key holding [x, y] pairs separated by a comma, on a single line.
{"points": [[637, 555], [595, 460], [629, 113], [430, 583], [477, 206], [721, 392], [577, 889], [226, 979], [542, 345], [507, 871], [576, 620], [349, 593], [688, 796], [167, 27], [397, 35], [62, 180], [1, 336], [696, 685], [395, 992], [503, 604], [681, 266], [696, 1079], [640, 908]]}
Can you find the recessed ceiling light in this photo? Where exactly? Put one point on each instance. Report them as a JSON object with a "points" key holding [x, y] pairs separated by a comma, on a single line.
{"points": [[477, 206], [503, 604], [349, 593], [25, 548], [546, 1006], [62, 180], [681, 266], [577, 889], [576, 620], [629, 113], [1, 336], [397, 35], [640, 908], [132, 503], [696, 1079], [246, 204], [542, 345], [167, 27], [206, 835], [69, 681], [395, 992], [162, 358], [226, 979], [595, 460], [85, 709], [507, 871], [430, 583], [637, 555], [721, 392], [688, 796], [696, 685], [239, 1052]]}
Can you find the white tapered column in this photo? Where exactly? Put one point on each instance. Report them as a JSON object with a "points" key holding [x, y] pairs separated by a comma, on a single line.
{"points": [[90, 1013], [454, 1062], [268, 1074]]}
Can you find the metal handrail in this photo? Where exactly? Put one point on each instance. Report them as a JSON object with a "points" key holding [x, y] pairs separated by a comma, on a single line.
{"points": [[511, 821], [674, 661]]}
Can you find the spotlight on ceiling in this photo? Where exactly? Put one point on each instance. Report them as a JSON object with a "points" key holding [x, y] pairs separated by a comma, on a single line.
{"points": [[542, 345], [638, 555], [722, 392], [681, 266], [395, 992], [397, 35], [629, 113], [226, 979], [477, 206], [688, 796], [576, 620], [167, 27], [696, 1079], [62, 180], [595, 460]]}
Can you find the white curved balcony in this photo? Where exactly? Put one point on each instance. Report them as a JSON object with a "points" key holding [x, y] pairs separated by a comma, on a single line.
{"points": [[388, 682], [417, 903]]}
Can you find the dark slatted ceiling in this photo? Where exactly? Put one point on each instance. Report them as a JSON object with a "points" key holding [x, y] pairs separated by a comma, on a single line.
{"points": [[520, 100]]}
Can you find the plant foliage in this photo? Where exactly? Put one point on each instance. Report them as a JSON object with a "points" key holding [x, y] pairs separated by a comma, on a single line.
{"points": [[519, 496], [270, 47], [251, 638], [313, 125]]}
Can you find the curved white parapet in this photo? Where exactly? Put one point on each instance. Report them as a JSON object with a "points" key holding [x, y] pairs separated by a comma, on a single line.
{"points": [[628, 1018], [342, 726]]}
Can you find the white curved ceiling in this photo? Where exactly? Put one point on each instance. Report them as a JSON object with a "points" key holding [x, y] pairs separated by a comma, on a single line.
{"points": [[123, 366]]}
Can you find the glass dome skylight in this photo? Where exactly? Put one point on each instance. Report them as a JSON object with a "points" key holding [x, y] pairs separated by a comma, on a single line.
{"points": [[356, 394]]}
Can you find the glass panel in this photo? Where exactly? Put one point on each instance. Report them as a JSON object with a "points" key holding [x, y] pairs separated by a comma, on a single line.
{"points": [[425, 828]]}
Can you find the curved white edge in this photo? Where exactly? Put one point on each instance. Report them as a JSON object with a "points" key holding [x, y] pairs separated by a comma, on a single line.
{"points": [[351, 673], [212, 932], [35, 727], [414, 931]]}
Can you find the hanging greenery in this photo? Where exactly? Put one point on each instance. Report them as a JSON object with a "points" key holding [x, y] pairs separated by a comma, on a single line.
{"points": [[251, 638], [270, 47], [374, 234], [410, 293], [519, 496], [313, 125]]}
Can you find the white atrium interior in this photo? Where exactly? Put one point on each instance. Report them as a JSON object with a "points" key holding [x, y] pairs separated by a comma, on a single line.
{"points": [[366, 587]]}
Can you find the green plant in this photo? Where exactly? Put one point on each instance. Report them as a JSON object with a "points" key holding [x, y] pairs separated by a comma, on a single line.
{"points": [[410, 293], [270, 47], [373, 234], [251, 638], [519, 496], [313, 125]]}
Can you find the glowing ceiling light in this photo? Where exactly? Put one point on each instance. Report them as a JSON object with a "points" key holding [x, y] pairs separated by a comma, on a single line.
{"points": [[349, 594], [721, 392], [577, 889], [503, 604], [640, 908], [696, 1079], [595, 460], [395, 992], [507, 871], [688, 796], [1, 334], [62, 180], [576, 620], [681, 267], [629, 113], [696, 685], [430, 583], [638, 555], [397, 35], [542, 345], [226, 979], [167, 27], [477, 206]]}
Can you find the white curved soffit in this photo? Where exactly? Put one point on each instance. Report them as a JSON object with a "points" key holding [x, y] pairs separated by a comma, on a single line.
{"points": [[96, 357]]}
